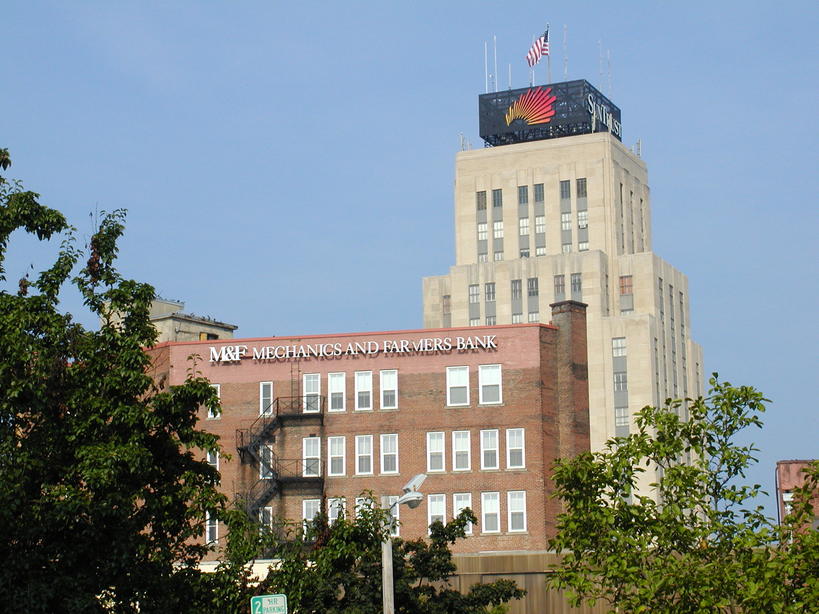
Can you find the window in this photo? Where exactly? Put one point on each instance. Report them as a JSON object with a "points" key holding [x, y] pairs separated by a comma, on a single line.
{"points": [[388, 503], [336, 455], [446, 304], [523, 194], [626, 285], [389, 389], [565, 221], [560, 286], [310, 508], [582, 219], [363, 454], [538, 192], [460, 501], [516, 508], [489, 449], [483, 258], [266, 462], [531, 286], [515, 449], [540, 224], [517, 318], [489, 384], [311, 455], [436, 508], [457, 386], [480, 201], [565, 190], [498, 256], [490, 512], [482, 231], [364, 503], [517, 291], [489, 292], [474, 293], [620, 381], [491, 320], [389, 453], [336, 507], [363, 390], [213, 459], [523, 226], [461, 453], [540, 251], [583, 246], [435, 451], [497, 198], [312, 392], [214, 412], [618, 346], [581, 187], [265, 398], [497, 230], [577, 283], [524, 253], [534, 317], [474, 321], [266, 517], [336, 388], [621, 416], [211, 528], [566, 248]]}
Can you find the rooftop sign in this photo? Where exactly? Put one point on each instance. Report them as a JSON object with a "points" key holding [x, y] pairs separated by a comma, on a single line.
{"points": [[546, 112]]}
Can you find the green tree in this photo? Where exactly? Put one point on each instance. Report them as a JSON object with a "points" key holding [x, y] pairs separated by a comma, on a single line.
{"points": [[699, 545], [101, 490], [336, 568]]}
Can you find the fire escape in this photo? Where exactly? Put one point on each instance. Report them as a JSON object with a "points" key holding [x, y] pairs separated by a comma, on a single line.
{"points": [[255, 446]]}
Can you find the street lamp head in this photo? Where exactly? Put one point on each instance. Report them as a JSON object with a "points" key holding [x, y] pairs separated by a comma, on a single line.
{"points": [[411, 499], [415, 483]]}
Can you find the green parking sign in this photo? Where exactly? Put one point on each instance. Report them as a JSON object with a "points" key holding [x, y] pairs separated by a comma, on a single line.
{"points": [[268, 604]]}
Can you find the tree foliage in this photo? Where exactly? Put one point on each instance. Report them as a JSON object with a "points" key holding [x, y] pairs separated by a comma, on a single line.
{"points": [[335, 568], [101, 490], [697, 544]]}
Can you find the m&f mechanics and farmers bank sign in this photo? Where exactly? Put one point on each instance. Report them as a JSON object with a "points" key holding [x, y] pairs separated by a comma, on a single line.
{"points": [[428, 345]]}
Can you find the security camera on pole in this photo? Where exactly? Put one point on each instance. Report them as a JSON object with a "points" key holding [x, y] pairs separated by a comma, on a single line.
{"points": [[412, 499]]}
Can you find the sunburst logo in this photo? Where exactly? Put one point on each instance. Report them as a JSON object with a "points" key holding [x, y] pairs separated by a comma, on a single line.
{"points": [[534, 107]]}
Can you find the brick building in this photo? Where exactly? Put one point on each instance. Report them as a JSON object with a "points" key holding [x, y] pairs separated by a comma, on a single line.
{"points": [[312, 422], [790, 474]]}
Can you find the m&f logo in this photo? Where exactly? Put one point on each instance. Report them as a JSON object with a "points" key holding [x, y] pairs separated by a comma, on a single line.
{"points": [[228, 353], [535, 106]]}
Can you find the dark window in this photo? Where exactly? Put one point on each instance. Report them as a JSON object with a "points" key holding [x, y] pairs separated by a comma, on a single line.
{"points": [[497, 198], [490, 291], [481, 201], [626, 285], [531, 286], [581, 187], [565, 190], [577, 282], [538, 192], [516, 289], [523, 194], [560, 285]]}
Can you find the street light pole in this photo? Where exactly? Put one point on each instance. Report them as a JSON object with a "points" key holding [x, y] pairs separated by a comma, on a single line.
{"points": [[412, 499]]}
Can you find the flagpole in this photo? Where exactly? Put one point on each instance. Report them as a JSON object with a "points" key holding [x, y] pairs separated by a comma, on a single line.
{"points": [[548, 57], [532, 70]]}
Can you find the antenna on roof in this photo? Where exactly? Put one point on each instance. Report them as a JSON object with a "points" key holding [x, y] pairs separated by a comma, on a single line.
{"points": [[485, 69], [510, 76], [608, 53], [495, 43], [600, 60]]}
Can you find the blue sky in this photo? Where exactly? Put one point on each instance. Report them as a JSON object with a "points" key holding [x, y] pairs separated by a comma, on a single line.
{"points": [[288, 167]]}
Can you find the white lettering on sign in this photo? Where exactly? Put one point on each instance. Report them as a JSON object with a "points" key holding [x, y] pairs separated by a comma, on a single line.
{"points": [[429, 345], [601, 113]]}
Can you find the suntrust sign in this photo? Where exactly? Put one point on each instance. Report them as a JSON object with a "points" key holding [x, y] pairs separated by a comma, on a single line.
{"points": [[427, 345]]}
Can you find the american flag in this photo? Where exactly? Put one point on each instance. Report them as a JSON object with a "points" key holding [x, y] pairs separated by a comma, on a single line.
{"points": [[539, 49]]}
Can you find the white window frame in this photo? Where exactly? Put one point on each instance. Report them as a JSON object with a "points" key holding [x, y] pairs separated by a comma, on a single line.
{"points": [[359, 440], [333, 380], [565, 221], [497, 229], [360, 503], [582, 219], [386, 386], [523, 226], [540, 224], [265, 398], [384, 444], [450, 375], [363, 384], [266, 453], [618, 346], [335, 507], [211, 528], [490, 505], [266, 517], [336, 439], [437, 436], [510, 447], [482, 231], [456, 436], [309, 503], [516, 508], [485, 378], [485, 448], [212, 415], [311, 459], [212, 459], [311, 394], [461, 500], [436, 508]]}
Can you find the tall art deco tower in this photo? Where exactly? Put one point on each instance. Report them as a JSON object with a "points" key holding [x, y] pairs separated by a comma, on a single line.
{"points": [[555, 207]]}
